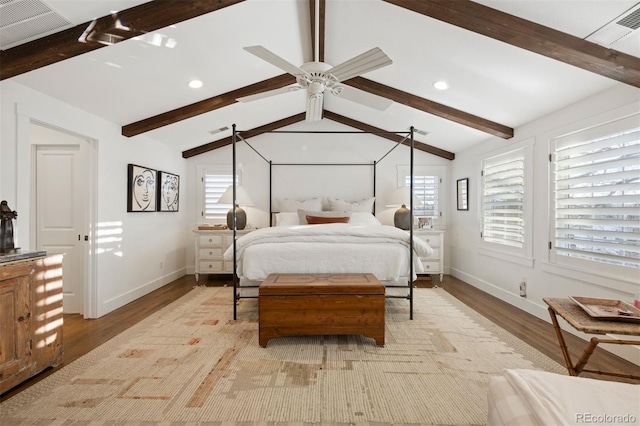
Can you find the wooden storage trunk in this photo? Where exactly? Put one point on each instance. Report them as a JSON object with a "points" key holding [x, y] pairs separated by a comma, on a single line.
{"points": [[321, 304]]}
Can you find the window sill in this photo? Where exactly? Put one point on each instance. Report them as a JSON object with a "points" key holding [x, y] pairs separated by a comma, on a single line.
{"points": [[592, 277], [508, 257]]}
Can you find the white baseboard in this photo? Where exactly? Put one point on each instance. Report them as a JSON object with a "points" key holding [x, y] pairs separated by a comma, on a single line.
{"points": [[136, 293], [629, 353]]}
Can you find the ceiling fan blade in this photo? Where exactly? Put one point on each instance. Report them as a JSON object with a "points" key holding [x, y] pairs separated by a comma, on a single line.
{"points": [[314, 107], [276, 60], [364, 98], [363, 63], [269, 93]]}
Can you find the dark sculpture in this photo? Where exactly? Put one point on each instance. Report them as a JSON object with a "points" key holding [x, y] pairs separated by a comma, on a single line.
{"points": [[6, 228]]}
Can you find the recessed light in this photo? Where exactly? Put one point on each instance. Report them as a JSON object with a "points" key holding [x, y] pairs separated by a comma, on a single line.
{"points": [[195, 84], [441, 85]]}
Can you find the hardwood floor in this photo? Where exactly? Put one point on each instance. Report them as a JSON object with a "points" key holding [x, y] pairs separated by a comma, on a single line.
{"points": [[81, 336]]}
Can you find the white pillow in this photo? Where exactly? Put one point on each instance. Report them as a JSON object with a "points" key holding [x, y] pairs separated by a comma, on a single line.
{"points": [[302, 215], [287, 205], [287, 219], [356, 206], [364, 218]]}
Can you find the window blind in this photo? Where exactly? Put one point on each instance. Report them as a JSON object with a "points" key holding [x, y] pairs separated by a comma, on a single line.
{"points": [[214, 185], [597, 196], [426, 189], [503, 200]]}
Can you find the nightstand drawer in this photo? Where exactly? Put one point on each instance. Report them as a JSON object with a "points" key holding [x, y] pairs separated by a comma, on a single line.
{"points": [[210, 253], [210, 266], [210, 240], [432, 240], [431, 266], [434, 256]]}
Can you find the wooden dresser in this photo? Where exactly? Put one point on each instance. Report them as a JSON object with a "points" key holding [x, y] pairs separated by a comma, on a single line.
{"points": [[210, 246], [30, 317]]}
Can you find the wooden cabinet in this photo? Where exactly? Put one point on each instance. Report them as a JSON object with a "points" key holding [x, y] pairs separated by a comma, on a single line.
{"points": [[210, 246], [30, 318], [433, 264]]}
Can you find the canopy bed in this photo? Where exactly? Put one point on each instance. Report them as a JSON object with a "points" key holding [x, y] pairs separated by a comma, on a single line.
{"points": [[306, 237]]}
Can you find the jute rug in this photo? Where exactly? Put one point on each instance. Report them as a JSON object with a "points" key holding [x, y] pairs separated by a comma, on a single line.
{"points": [[191, 364]]}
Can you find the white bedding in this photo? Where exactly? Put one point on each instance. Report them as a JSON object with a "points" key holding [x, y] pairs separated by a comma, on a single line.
{"points": [[531, 397], [330, 248]]}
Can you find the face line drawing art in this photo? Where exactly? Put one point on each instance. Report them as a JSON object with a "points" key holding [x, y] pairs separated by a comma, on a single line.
{"points": [[143, 189], [170, 191]]}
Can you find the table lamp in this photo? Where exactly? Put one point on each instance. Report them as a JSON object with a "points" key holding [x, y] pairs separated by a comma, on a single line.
{"points": [[400, 198], [241, 198]]}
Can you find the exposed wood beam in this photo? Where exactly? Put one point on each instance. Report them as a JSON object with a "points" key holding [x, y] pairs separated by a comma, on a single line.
{"points": [[321, 27], [390, 136], [431, 107], [205, 106], [328, 115], [143, 18], [530, 36], [245, 134]]}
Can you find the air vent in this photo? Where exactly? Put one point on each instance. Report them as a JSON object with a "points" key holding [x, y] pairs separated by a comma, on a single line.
{"points": [[22, 21], [621, 27]]}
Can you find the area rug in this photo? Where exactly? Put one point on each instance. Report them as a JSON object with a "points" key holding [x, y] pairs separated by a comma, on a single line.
{"points": [[192, 364]]}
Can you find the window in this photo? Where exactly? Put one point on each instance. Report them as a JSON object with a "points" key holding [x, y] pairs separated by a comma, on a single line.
{"points": [[427, 185], [214, 180], [596, 197], [503, 199]]}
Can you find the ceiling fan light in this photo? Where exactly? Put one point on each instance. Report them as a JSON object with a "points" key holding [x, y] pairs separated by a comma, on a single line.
{"points": [[441, 85], [195, 84]]}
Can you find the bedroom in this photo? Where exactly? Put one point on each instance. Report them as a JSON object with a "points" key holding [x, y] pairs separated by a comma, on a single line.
{"points": [[138, 253]]}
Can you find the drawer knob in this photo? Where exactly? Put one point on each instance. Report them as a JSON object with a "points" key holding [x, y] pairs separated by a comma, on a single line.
{"points": [[210, 253], [428, 266], [428, 240], [210, 240]]}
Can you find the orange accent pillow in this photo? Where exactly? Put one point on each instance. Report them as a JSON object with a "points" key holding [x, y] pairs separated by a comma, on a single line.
{"points": [[317, 220]]}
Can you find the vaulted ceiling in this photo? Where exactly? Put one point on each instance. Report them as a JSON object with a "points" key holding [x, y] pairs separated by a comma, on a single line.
{"points": [[506, 62]]}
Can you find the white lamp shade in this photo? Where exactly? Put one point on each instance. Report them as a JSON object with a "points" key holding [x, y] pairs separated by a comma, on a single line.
{"points": [[242, 198], [401, 196]]}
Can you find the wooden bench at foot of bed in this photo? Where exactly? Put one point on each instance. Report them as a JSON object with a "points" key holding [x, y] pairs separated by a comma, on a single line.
{"points": [[321, 304]]}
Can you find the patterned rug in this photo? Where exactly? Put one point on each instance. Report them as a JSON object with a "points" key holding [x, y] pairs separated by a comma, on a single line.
{"points": [[192, 364]]}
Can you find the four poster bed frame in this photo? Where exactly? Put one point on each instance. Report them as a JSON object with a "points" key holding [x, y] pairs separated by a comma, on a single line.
{"points": [[237, 134]]}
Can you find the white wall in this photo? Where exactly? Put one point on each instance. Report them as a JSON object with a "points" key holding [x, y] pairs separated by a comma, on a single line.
{"points": [[129, 247], [499, 276], [309, 181]]}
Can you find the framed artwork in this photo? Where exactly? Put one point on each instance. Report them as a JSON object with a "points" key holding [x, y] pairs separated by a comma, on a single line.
{"points": [[141, 189], [168, 192], [463, 193]]}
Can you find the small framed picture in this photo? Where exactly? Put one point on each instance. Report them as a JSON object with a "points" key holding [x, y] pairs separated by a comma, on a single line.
{"points": [[425, 222], [141, 189], [168, 197], [463, 194]]}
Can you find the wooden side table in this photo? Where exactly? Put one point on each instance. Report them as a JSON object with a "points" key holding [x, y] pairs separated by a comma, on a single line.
{"points": [[581, 321]]}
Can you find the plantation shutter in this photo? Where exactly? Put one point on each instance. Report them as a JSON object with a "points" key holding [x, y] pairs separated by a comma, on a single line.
{"points": [[214, 185], [597, 194], [426, 189], [503, 200]]}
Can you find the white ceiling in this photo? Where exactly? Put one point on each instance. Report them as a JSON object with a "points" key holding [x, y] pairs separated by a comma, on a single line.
{"points": [[135, 79]]}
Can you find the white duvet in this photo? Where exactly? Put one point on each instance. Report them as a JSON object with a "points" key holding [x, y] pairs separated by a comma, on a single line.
{"points": [[564, 400], [330, 248]]}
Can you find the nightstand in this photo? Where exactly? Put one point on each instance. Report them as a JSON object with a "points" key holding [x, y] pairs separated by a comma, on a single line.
{"points": [[433, 264], [210, 246]]}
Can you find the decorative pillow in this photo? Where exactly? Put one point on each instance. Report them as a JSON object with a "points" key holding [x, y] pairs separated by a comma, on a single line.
{"points": [[318, 220], [356, 206], [287, 205], [287, 219], [302, 215], [364, 218]]}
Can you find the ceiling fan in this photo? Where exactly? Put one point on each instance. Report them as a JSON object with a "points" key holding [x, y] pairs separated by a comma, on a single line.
{"points": [[318, 77]]}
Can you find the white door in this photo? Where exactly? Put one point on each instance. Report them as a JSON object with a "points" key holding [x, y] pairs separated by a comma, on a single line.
{"points": [[61, 199]]}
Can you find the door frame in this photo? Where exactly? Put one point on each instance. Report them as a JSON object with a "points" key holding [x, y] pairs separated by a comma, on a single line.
{"points": [[26, 184]]}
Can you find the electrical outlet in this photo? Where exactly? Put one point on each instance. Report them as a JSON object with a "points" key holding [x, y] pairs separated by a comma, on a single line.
{"points": [[161, 264], [523, 287]]}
